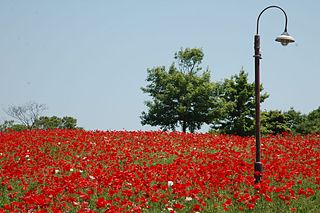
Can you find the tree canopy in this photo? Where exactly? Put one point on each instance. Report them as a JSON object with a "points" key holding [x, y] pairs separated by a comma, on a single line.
{"points": [[55, 122], [274, 122], [180, 95], [310, 123], [238, 96]]}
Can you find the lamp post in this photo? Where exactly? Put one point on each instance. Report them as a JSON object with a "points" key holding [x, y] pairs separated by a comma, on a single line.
{"points": [[284, 39]]}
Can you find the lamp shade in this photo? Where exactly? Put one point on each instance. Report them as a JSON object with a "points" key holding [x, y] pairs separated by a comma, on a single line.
{"points": [[285, 39]]}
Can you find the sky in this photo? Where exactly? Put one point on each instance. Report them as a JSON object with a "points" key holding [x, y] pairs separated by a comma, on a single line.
{"points": [[89, 59]]}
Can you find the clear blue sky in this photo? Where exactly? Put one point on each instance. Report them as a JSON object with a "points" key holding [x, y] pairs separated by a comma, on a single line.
{"points": [[88, 59]]}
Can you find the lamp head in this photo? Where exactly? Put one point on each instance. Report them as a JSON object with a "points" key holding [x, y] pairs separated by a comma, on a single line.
{"points": [[285, 38]]}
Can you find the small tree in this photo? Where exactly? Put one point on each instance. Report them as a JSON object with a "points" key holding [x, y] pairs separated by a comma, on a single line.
{"points": [[69, 123], [181, 97], [26, 114], [239, 106], [55, 122], [12, 126], [274, 122], [311, 123], [295, 120], [6, 125]]}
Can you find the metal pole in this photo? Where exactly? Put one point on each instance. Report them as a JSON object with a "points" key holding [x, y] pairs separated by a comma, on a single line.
{"points": [[257, 56]]}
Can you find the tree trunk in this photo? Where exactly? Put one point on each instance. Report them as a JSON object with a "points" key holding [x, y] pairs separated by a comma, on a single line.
{"points": [[184, 126]]}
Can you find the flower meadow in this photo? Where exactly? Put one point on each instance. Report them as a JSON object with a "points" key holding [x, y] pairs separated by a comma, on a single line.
{"points": [[122, 171]]}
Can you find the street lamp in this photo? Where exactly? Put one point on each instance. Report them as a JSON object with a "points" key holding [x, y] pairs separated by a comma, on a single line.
{"points": [[284, 39]]}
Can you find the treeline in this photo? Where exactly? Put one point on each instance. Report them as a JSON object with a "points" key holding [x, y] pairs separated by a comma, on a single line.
{"points": [[184, 96], [43, 122], [29, 117], [292, 121]]}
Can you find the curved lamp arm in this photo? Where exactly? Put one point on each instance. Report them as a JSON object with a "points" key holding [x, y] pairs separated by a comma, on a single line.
{"points": [[273, 6], [284, 38]]}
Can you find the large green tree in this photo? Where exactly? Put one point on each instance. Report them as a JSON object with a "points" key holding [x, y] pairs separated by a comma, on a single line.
{"points": [[181, 96], [239, 109]]}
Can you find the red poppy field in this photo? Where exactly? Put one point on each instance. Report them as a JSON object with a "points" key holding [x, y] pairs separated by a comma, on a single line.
{"points": [[111, 171]]}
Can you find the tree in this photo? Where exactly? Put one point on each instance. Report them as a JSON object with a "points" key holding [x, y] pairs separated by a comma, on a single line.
{"points": [[55, 122], [26, 114], [181, 97], [6, 125], [274, 122], [69, 123], [12, 126], [45, 122], [295, 120], [311, 124], [239, 112]]}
